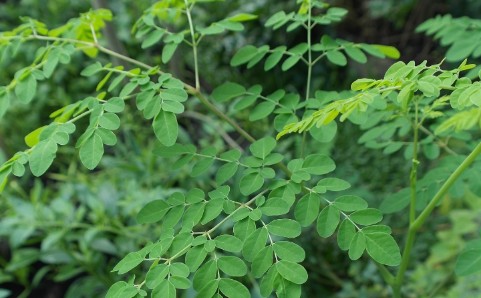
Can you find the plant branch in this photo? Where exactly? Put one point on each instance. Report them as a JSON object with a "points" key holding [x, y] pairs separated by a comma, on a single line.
{"points": [[194, 45], [445, 187], [419, 221]]}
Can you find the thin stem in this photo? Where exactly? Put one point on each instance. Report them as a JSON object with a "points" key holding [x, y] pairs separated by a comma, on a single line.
{"points": [[223, 116], [414, 167], [309, 52], [445, 187], [441, 143], [419, 221], [194, 44]]}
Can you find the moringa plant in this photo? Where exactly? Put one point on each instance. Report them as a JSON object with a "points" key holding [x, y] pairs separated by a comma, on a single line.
{"points": [[235, 235]]}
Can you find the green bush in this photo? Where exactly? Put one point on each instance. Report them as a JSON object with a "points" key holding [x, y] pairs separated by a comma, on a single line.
{"points": [[209, 200]]}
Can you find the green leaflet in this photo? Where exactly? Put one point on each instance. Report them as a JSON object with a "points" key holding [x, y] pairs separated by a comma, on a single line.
{"points": [[291, 271], [262, 262], [327, 221], [233, 289], [164, 289], [232, 266], [307, 209], [25, 89], [156, 275], [289, 251], [383, 248], [254, 243], [91, 151], [357, 246], [469, 261], [284, 227], [166, 128], [152, 212], [228, 91], [263, 147], [42, 157], [250, 183], [129, 262]]}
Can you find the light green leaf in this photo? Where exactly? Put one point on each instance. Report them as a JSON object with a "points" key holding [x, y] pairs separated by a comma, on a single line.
{"points": [[275, 206], [42, 157], [263, 147], [33, 138], [129, 262], [228, 243], [334, 184], [356, 54], [242, 17], [164, 290], [156, 275], [290, 62], [91, 69], [233, 289], [284, 227], [366, 217], [209, 290], [469, 261], [357, 246], [262, 110], [114, 105], [25, 89], [383, 248], [152, 38], [91, 151], [244, 55], [324, 133], [307, 209], [289, 251], [232, 266], [318, 164], [327, 221], [109, 121], [388, 51], [181, 282], [152, 212], [254, 243], [116, 290], [268, 282], [4, 101], [291, 271], [274, 58], [262, 262], [168, 51], [350, 203], [228, 91], [205, 274], [346, 232], [166, 128], [225, 172], [250, 183], [336, 57]]}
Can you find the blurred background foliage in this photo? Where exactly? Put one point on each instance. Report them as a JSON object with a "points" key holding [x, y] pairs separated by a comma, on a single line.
{"points": [[62, 234]]}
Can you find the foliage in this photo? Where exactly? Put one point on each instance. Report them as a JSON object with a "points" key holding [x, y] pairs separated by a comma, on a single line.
{"points": [[231, 229]]}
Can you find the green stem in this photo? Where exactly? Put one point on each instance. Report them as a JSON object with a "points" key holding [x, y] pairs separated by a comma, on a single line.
{"points": [[309, 53], [419, 221], [414, 167], [446, 186], [194, 45]]}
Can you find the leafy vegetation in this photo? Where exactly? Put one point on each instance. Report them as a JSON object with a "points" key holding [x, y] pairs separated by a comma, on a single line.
{"points": [[156, 183]]}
